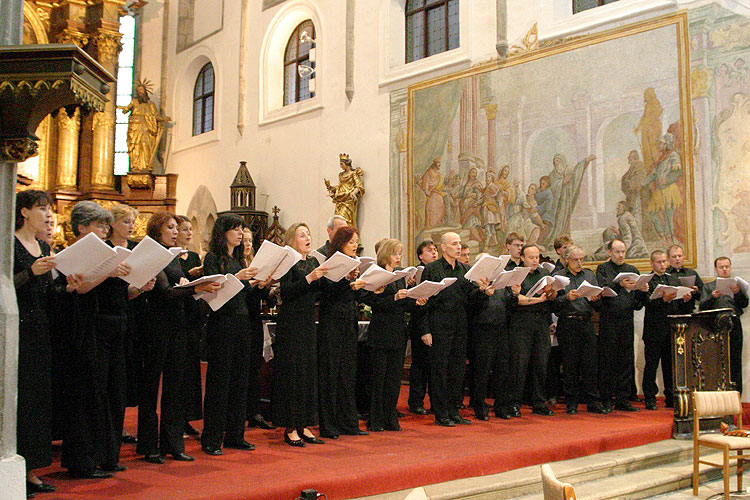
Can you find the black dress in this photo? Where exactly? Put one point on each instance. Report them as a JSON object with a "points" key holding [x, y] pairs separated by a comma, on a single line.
{"points": [[164, 342], [337, 358], [34, 360], [196, 321], [131, 344], [294, 400], [254, 297]]}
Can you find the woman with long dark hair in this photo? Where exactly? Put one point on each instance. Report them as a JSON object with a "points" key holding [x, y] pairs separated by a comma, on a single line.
{"points": [[228, 344], [337, 345], [164, 351]]}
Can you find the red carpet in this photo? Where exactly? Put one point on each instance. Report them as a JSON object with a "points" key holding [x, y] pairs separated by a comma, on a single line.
{"points": [[357, 466]]}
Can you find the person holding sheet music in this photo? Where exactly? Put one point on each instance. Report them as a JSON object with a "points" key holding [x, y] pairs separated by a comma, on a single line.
{"points": [[34, 285], [575, 332], [616, 328], [228, 335], [335, 223], [444, 330], [530, 318], [337, 344], [195, 322], [657, 339], [164, 351], [676, 257], [716, 299], [386, 337], [294, 400], [513, 244], [419, 374]]}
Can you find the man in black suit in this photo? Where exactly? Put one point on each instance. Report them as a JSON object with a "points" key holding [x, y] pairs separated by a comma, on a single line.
{"points": [[334, 224], [676, 256]]}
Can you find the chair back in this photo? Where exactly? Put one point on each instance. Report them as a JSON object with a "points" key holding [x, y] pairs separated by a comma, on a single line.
{"points": [[554, 489], [716, 403]]}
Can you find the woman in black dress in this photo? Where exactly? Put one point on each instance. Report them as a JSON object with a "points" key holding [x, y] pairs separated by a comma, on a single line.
{"points": [[33, 283], [227, 344], [386, 337], [164, 351], [294, 401], [337, 345], [196, 321]]}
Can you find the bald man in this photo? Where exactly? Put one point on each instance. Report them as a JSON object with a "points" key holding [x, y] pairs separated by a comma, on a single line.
{"points": [[444, 330]]}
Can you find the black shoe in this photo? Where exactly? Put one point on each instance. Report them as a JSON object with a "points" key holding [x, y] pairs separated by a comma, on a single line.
{"points": [[260, 422], [329, 435], [189, 430], [445, 422], [358, 432], [571, 410], [635, 399], [461, 420], [375, 429], [542, 410], [311, 440], [481, 414], [115, 468], [596, 407], [182, 457], [625, 406], [39, 488], [93, 474], [129, 439], [211, 450], [419, 410], [504, 414], [515, 411], [400, 414], [651, 405], [396, 428], [241, 445], [298, 443], [154, 458]]}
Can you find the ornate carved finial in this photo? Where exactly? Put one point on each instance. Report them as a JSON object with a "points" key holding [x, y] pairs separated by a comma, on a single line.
{"points": [[275, 233], [276, 211], [17, 150]]}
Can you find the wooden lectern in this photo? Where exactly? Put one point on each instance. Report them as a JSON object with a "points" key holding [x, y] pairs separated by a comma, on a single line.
{"points": [[700, 356]]}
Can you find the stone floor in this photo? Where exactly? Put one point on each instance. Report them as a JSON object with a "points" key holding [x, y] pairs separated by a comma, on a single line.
{"points": [[712, 490]]}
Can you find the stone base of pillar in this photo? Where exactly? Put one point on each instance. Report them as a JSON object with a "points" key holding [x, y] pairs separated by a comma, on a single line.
{"points": [[13, 478]]}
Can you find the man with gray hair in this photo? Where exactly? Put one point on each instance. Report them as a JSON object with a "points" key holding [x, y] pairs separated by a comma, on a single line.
{"points": [[334, 224], [576, 334]]}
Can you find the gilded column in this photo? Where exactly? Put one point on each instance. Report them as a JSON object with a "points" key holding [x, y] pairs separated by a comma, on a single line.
{"points": [[491, 112], [103, 138], [68, 128]]}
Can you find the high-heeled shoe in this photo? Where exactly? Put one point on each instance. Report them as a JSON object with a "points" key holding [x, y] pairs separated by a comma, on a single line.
{"points": [[309, 439], [293, 442], [40, 487]]}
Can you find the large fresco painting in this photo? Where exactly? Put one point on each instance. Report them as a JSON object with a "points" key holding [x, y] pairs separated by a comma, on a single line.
{"points": [[586, 138]]}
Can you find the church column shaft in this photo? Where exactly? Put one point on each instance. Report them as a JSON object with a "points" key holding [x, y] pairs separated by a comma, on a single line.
{"points": [[68, 129]]}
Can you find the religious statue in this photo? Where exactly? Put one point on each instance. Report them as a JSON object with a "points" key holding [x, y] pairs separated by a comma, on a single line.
{"points": [[348, 192], [145, 128]]}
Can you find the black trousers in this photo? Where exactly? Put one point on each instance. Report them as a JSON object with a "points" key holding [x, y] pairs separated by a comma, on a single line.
{"points": [[482, 349], [555, 376], [255, 364], [163, 359], [657, 350], [735, 353], [447, 366], [337, 380], [529, 350], [225, 403], [500, 375], [387, 365], [419, 373], [616, 357], [112, 379], [577, 339], [193, 384]]}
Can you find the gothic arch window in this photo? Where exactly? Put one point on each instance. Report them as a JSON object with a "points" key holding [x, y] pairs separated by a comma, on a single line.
{"points": [[432, 27], [203, 100], [299, 64]]}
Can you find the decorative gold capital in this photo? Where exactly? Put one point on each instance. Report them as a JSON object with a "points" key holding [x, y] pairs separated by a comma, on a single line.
{"points": [[108, 46], [69, 122], [700, 81], [73, 36], [18, 150], [102, 119], [491, 111]]}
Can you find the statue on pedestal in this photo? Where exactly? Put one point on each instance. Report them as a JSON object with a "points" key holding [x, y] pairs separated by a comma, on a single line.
{"points": [[349, 190], [145, 128]]}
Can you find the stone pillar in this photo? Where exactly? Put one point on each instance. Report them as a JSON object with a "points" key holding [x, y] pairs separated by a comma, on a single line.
{"points": [[491, 111], [12, 467], [68, 128]]}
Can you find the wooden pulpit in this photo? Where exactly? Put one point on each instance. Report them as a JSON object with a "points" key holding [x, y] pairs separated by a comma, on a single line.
{"points": [[700, 356]]}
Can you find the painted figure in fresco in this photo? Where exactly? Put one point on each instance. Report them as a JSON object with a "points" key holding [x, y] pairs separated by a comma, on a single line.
{"points": [[350, 189], [451, 195], [471, 204], [665, 195], [507, 189], [630, 233], [632, 185], [525, 217], [741, 214], [145, 128], [431, 184], [544, 201], [493, 213], [650, 127], [565, 182]]}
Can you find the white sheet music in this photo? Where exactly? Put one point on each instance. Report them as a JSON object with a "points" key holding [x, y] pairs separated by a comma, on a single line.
{"points": [[204, 279], [487, 267], [106, 267], [588, 290], [688, 281], [608, 292], [376, 277], [274, 261], [724, 285], [83, 256], [365, 263], [318, 256], [660, 290], [557, 282], [549, 266], [339, 265], [229, 288], [148, 258], [427, 289]]}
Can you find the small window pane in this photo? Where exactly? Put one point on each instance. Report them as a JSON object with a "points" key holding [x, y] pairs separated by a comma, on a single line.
{"points": [[436, 42], [414, 4], [415, 37], [290, 84], [121, 139], [208, 117], [198, 90], [122, 163], [432, 26], [197, 117], [453, 38], [291, 49], [208, 80]]}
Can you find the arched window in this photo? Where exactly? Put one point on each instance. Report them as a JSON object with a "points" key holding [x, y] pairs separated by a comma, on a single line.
{"points": [[203, 100], [297, 55], [431, 27]]}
